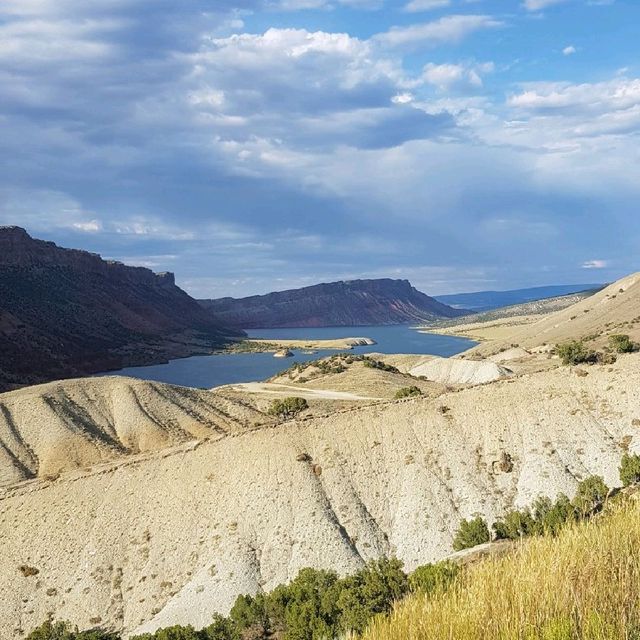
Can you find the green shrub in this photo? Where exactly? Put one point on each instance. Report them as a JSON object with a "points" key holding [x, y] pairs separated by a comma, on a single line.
{"points": [[433, 577], [471, 533], [630, 469], [371, 591], [288, 407], [590, 496], [514, 525], [221, 629], [550, 516], [177, 632], [249, 613], [621, 343], [408, 392], [575, 352], [306, 609], [51, 630], [378, 364]]}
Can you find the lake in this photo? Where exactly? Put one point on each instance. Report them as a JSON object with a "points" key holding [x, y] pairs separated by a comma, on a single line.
{"points": [[229, 368]]}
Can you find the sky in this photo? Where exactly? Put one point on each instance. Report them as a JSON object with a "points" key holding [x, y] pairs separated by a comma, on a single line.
{"points": [[258, 145]]}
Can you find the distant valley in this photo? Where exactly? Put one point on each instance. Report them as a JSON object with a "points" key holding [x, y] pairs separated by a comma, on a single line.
{"points": [[487, 300]]}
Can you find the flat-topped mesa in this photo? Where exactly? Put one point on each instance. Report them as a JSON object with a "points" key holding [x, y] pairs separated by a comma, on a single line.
{"points": [[19, 250], [382, 301]]}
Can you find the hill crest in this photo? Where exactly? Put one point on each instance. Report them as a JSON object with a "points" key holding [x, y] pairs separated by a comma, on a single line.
{"points": [[343, 303]]}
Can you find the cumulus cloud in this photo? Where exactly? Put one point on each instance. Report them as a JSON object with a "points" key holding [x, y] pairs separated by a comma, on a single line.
{"points": [[448, 76], [569, 50], [335, 88], [449, 29], [595, 264], [601, 97], [190, 138]]}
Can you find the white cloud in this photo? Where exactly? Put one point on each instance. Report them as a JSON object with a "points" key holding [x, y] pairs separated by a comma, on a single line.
{"points": [[415, 6], [595, 264], [259, 127], [598, 99], [402, 98], [303, 88], [539, 5], [569, 50], [90, 226], [447, 76], [55, 41], [450, 29]]}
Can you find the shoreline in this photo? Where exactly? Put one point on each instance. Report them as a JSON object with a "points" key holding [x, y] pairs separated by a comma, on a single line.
{"points": [[498, 329], [264, 345]]}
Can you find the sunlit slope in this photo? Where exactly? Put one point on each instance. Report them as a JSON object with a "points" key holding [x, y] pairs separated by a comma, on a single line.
{"points": [[584, 584], [615, 309], [175, 536], [59, 426]]}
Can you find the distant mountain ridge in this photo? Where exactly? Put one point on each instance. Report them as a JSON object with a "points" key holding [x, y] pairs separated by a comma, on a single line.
{"points": [[346, 303], [487, 300], [65, 312]]}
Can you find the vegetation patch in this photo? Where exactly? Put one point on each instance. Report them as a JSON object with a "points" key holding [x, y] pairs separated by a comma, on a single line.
{"points": [[580, 585], [575, 352], [545, 516], [630, 469], [408, 392], [288, 407], [378, 364], [621, 343]]}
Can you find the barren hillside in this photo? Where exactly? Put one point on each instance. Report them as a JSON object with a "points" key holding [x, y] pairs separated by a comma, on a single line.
{"points": [[615, 309], [175, 535], [55, 427]]}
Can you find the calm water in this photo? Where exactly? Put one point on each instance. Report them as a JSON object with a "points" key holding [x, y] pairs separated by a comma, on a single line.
{"points": [[212, 371]]}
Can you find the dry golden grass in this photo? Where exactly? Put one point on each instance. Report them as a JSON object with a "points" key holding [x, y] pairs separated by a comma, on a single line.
{"points": [[583, 585]]}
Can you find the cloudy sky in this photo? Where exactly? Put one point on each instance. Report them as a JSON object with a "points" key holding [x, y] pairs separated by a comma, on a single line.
{"points": [[254, 145]]}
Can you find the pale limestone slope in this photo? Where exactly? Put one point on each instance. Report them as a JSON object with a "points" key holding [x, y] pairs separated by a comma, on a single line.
{"points": [[458, 371], [59, 426], [615, 309], [145, 543]]}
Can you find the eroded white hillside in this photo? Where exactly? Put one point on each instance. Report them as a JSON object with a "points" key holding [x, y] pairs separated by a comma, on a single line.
{"points": [[138, 544]]}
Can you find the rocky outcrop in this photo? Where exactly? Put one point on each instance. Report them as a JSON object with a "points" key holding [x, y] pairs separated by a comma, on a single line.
{"points": [[65, 312], [346, 303]]}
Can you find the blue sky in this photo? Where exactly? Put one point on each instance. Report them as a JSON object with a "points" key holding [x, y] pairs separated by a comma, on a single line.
{"points": [[256, 145]]}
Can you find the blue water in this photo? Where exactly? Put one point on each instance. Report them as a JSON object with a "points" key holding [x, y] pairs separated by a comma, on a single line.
{"points": [[229, 368]]}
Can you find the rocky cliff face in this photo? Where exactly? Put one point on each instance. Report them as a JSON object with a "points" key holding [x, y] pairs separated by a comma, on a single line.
{"points": [[65, 313], [347, 303]]}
